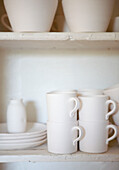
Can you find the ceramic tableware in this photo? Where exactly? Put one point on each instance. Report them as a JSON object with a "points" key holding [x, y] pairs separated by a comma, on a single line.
{"points": [[16, 116], [17, 141], [95, 108], [30, 16], [113, 93], [60, 137], [33, 130], [62, 106], [18, 146], [88, 16], [95, 136]]}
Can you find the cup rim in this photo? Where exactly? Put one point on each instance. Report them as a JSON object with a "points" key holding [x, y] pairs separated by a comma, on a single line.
{"points": [[93, 96], [60, 92]]}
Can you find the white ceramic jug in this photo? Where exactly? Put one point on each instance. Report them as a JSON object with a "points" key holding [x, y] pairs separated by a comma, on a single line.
{"points": [[16, 116]]}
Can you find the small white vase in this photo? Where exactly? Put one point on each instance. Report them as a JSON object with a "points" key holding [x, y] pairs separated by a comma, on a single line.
{"points": [[16, 116]]}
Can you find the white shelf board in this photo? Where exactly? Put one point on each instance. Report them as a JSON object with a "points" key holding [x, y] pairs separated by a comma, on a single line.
{"points": [[55, 40], [40, 154]]}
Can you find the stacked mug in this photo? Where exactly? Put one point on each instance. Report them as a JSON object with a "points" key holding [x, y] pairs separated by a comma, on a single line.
{"points": [[62, 118], [64, 129], [94, 123]]}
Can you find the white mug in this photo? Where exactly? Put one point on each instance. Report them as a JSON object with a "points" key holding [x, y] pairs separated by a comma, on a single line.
{"points": [[62, 106], [61, 136], [93, 108], [29, 16], [94, 136], [88, 15], [113, 93]]}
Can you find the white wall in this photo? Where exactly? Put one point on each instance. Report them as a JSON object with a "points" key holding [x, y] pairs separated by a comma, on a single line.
{"points": [[30, 74]]}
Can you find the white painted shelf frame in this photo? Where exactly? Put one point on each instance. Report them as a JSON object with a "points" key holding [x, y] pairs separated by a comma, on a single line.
{"points": [[65, 40], [79, 41], [40, 154]]}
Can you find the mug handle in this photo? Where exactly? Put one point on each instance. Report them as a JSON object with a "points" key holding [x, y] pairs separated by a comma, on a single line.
{"points": [[76, 107], [114, 135], [113, 110], [4, 23], [81, 133]]}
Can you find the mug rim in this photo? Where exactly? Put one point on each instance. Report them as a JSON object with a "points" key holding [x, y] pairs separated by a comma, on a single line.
{"points": [[60, 92], [94, 96]]}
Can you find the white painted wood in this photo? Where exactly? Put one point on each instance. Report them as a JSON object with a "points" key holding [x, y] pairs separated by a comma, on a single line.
{"points": [[40, 154], [60, 40]]}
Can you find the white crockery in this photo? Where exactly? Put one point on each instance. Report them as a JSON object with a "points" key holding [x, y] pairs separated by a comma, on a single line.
{"points": [[17, 141], [33, 130], [113, 93], [95, 108], [60, 137], [18, 146], [88, 16], [95, 136], [62, 106], [16, 116], [30, 16]]}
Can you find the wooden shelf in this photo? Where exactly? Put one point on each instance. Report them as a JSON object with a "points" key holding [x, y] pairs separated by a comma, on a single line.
{"points": [[60, 40], [40, 154]]}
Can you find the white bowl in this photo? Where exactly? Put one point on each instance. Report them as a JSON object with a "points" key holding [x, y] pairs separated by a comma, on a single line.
{"points": [[88, 15]]}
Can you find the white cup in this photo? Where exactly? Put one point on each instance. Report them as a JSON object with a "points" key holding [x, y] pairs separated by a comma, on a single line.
{"points": [[29, 16], [61, 136], [90, 92], [94, 136], [62, 106], [113, 93], [93, 108], [88, 15]]}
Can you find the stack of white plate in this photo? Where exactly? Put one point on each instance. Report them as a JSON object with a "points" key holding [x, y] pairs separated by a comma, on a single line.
{"points": [[35, 135]]}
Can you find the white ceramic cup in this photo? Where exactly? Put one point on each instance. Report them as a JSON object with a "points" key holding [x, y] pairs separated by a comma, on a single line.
{"points": [[88, 16], [62, 106], [94, 136], [29, 16], [61, 136], [95, 108], [89, 92], [113, 93]]}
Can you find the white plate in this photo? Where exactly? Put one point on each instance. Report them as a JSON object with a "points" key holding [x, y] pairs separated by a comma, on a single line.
{"points": [[15, 141], [21, 145], [33, 130]]}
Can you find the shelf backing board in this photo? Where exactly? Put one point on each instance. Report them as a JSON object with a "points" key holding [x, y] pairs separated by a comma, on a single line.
{"points": [[67, 40]]}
